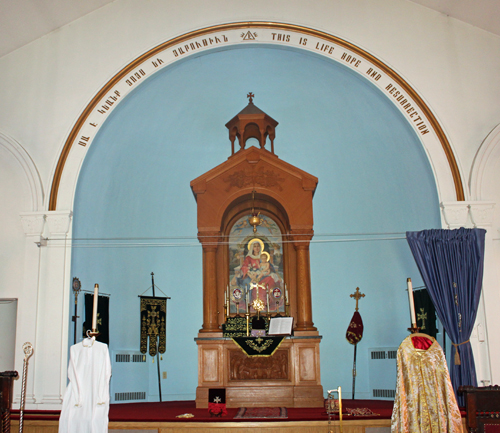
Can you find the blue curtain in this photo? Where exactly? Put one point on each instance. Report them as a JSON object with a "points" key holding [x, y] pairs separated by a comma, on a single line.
{"points": [[451, 265]]}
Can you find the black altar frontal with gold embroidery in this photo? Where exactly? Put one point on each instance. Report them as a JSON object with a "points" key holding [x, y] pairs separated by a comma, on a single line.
{"points": [[153, 324], [258, 346]]}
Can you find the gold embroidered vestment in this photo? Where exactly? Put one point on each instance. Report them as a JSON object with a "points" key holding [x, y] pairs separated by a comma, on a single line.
{"points": [[425, 401]]}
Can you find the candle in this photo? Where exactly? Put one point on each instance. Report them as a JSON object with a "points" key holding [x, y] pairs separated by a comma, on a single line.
{"points": [[268, 300], [286, 294], [340, 403], [412, 305], [94, 311]]}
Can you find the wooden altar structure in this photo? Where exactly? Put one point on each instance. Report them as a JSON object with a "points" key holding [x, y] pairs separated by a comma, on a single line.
{"points": [[256, 180]]}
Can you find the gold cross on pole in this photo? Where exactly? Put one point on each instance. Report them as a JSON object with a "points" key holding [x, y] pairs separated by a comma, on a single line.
{"points": [[357, 295]]}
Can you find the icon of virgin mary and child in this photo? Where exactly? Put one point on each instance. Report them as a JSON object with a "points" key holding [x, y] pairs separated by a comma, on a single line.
{"points": [[257, 268]]}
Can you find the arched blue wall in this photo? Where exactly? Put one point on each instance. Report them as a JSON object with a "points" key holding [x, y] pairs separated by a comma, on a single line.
{"points": [[134, 211]]}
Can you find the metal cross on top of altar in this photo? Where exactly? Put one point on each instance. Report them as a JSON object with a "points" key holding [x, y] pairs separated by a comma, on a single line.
{"points": [[357, 295]]}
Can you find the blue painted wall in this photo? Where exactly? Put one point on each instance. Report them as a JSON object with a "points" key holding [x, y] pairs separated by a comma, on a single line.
{"points": [[134, 211]]}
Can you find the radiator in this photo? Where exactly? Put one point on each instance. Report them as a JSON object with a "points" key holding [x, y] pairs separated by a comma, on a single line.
{"points": [[130, 377], [382, 372]]}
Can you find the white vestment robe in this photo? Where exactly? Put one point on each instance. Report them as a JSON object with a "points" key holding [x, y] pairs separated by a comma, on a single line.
{"points": [[86, 400]]}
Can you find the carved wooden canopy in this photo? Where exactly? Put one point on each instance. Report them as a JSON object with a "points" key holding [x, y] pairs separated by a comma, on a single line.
{"points": [[255, 178], [256, 170], [251, 122]]}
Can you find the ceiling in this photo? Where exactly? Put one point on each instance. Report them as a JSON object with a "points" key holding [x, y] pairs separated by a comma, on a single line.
{"points": [[23, 21]]}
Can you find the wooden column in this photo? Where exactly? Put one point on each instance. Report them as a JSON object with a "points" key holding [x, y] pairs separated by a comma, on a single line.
{"points": [[304, 302], [209, 243]]}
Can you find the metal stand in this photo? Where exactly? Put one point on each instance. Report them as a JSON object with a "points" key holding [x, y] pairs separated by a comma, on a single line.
{"points": [[28, 351]]}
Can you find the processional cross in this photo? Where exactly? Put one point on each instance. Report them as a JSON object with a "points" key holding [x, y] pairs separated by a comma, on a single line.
{"points": [[357, 295]]}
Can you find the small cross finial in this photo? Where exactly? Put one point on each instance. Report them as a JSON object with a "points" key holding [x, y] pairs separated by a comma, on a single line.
{"points": [[250, 96], [357, 295]]}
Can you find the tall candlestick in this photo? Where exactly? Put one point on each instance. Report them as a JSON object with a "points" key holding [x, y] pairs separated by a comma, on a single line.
{"points": [[94, 311], [412, 305]]}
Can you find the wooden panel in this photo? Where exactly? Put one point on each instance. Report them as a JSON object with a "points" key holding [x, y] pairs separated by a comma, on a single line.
{"points": [[260, 396], [210, 364], [210, 360], [308, 396], [352, 426], [307, 364], [244, 368], [306, 359]]}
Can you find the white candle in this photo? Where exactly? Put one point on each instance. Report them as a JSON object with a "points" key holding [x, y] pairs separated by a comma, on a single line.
{"points": [[286, 294], [340, 401], [94, 311], [412, 305], [268, 300]]}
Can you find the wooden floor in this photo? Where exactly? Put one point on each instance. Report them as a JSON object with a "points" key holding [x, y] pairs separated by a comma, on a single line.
{"points": [[351, 426]]}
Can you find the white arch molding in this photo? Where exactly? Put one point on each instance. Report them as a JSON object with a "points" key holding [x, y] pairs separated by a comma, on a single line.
{"points": [[484, 169], [29, 169], [406, 99]]}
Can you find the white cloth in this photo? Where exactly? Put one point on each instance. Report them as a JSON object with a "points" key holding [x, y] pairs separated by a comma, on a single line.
{"points": [[86, 400]]}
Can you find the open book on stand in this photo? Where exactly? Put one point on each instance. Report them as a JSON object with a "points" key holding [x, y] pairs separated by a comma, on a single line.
{"points": [[281, 326]]}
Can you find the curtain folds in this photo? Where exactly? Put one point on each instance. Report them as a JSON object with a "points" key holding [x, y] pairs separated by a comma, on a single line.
{"points": [[451, 265]]}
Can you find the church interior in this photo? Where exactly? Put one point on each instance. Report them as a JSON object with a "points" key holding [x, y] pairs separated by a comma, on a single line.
{"points": [[162, 148]]}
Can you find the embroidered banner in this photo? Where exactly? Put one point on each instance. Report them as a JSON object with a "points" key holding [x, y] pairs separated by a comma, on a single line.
{"points": [[354, 332], [260, 346], [102, 317], [425, 311], [153, 324]]}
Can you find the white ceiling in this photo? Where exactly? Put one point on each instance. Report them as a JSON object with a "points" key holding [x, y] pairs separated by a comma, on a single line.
{"points": [[23, 21]]}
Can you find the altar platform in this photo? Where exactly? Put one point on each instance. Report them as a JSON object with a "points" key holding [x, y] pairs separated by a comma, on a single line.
{"points": [[162, 418]]}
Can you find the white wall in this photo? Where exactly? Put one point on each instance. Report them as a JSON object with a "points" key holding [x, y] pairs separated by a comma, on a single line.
{"points": [[45, 85]]}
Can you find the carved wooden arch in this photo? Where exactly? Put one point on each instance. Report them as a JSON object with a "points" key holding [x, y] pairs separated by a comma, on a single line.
{"points": [[282, 191]]}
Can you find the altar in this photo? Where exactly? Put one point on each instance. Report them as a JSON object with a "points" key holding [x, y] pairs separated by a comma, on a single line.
{"points": [[288, 378], [255, 225]]}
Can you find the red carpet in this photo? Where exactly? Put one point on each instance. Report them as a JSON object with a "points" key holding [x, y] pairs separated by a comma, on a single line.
{"points": [[167, 412]]}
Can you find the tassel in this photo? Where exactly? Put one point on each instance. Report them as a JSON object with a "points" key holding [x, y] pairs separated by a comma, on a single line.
{"points": [[457, 355]]}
